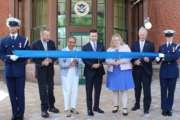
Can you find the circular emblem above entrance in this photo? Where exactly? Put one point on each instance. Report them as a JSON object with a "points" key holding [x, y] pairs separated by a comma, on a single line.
{"points": [[81, 8]]}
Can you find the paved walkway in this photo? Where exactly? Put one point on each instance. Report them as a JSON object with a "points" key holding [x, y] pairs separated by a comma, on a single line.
{"points": [[33, 105]]}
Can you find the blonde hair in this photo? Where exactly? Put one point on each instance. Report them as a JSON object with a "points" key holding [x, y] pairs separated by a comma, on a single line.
{"points": [[120, 40]]}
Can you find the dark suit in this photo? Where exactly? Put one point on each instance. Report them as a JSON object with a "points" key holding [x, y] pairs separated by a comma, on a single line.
{"points": [[143, 75], [93, 76], [45, 76], [169, 73], [15, 72]]}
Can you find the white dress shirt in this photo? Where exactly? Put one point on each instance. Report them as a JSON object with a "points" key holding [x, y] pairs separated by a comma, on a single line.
{"points": [[94, 45], [141, 43]]}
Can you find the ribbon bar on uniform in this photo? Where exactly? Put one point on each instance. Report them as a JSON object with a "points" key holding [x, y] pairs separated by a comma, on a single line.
{"points": [[82, 54]]}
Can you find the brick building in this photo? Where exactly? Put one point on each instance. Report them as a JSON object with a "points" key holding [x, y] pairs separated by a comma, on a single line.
{"points": [[108, 16]]}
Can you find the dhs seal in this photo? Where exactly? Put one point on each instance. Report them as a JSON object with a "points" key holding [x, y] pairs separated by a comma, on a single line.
{"points": [[81, 8]]}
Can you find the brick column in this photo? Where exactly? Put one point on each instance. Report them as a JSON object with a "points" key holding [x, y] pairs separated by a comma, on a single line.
{"points": [[52, 20], [28, 18]]}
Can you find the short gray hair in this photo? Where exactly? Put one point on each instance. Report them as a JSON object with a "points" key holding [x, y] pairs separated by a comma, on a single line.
{"points": [[42, 30], [143, 29]]}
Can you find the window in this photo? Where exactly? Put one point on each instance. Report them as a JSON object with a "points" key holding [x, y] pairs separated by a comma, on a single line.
{"points": [[61, 21], [120, 18], [39, 16]]}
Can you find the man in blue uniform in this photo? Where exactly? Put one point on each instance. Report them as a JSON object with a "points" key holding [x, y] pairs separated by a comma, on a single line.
{"points": [[14, 67], [168, 72]]}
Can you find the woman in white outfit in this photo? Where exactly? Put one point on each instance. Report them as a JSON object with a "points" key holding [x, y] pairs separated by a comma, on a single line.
{"points": [[119, 76], [70, 69]]}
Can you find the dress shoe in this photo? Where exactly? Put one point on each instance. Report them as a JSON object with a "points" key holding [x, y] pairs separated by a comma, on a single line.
{"points": [[68, 113], [169, 113], [90, 113], [164, 113], [53, 110], [98, 110], [125, 112], [20, 117], [44, 114], [135, 108], [74, 111], [116, 109], [13, 118]]}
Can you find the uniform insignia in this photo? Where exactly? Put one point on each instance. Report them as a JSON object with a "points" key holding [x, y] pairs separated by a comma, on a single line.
{"points": [[173, 49], [20, 45]]}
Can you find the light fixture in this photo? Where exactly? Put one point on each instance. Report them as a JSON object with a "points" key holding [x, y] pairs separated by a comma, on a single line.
{"points": [[147, 23]]}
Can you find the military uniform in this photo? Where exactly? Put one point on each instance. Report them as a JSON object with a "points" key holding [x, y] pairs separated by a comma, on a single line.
{"points": [[14, 72], [169, 73]]}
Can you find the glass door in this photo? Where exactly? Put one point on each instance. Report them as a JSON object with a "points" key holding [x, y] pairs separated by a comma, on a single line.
{"points": [[76, 18]]}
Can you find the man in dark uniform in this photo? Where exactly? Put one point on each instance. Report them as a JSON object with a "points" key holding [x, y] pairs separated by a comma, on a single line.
{"points": [[142, 71], [93, 73], [14, 67], [45, 73], [169, 72]]}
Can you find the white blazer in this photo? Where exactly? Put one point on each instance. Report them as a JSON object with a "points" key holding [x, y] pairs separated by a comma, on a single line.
{"points": [[127, 65], [64, 64]]}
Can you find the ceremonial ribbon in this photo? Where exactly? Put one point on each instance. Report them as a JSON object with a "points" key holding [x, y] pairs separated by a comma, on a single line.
{"points": [[82, 54]]}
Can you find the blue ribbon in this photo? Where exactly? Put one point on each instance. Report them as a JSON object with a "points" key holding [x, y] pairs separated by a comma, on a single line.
{"points": [[82, 54]]}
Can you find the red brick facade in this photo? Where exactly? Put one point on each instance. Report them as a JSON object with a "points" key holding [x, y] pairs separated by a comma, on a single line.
{"points": [[164, 14], [4, 13]]}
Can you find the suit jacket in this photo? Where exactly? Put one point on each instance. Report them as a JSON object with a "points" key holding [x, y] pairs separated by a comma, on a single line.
{"points": [[169, 66], [146, 67], [65, 62], [89, 62], [7, 46], [37, 45]]}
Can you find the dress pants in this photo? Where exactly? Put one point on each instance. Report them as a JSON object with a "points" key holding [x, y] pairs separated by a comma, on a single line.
{"points": [[168, 86], [70, 84], [141, 80], [93, 80], [16, 86], [46, 88]]}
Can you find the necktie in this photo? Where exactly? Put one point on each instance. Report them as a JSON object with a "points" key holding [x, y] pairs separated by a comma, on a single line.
{"points": [[45, 45], [95, 46], [141, 46], [13, 37], [168, 44]]}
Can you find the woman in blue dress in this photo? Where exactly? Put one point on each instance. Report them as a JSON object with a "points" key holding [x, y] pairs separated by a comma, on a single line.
{"points": [[119, 76]]}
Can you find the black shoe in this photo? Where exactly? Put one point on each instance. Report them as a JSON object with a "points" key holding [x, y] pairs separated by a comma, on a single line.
{"points": [[53, 110], [125, 112], [116, 109], [164, 113], [21, 117], [135, 108], [146, 112], [13, 118], [45, 114], [98, 110], [169, 113], [90, 113]]}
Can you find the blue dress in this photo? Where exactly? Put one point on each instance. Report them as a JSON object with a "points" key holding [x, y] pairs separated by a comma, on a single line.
{"points": [[119, 79]]}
